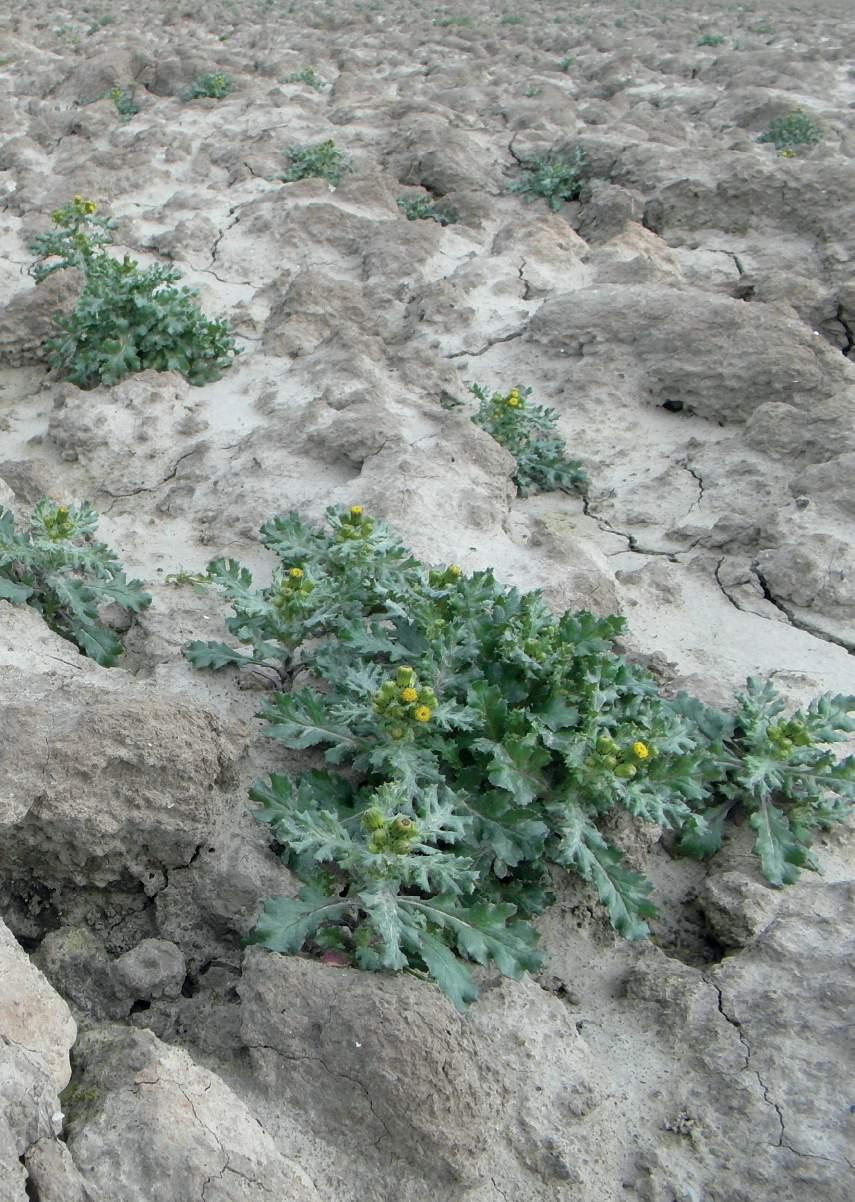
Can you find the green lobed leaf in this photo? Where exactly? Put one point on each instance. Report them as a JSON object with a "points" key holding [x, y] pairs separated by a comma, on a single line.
{"points": [[286, 923], [781, 856]]}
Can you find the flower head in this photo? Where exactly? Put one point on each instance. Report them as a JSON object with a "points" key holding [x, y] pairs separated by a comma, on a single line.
{"points": [[296, 573], [640, 750], [423, 713], [513, 398], [356, 511], [409, 694]]}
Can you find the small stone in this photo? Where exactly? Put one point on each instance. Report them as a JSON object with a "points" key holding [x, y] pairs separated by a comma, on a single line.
{"points": [[154, 968]]}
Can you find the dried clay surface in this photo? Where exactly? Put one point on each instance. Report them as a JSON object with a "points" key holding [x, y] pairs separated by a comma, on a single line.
{"points": [[691, 318]]}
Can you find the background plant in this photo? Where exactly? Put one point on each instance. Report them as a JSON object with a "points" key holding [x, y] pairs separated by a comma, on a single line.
{"points": [[322, 160], [553, 176], [128, 318], [416, 207], [56, 567], [475, 738], [793, 129], [309, 76], [124, 101], [214, 85], [528, 432], [710, 39]]}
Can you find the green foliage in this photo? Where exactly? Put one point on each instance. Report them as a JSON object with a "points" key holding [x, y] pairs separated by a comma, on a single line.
{"points": [[100, 22], [528, 432], [553, 177], [794, 129], [779, 772], [421, 208], [445, 22], [124, 101], [566, 63], [309, 76], [533, 90], [710, 39], [56, 567], [214, 85], [512, 19], [473, 738], [127, 319], [322, 160]]}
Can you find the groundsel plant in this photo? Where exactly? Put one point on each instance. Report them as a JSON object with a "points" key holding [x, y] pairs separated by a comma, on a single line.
{"points": [[127, 318], [57, 567], [528, 432], [473, 739]]}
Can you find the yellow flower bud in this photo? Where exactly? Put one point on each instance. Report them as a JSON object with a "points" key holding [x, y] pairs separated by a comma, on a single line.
{"points": [[296, 573], [356, 510], [641, 750], [409, 695], [423, 713]]}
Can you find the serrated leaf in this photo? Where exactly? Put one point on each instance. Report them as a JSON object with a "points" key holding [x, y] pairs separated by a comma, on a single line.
{"points": [[483, 931], [450, 973], [516, 765], [383, 911], [512, 832], [623, 892], [703, 833], [98, 643], [287, 922], [18, 594], [214, 655], [780, 855], [303, 720], [275, 798]]}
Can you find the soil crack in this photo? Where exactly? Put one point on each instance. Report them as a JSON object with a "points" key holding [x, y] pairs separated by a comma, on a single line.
{"points": [[799, 623]]}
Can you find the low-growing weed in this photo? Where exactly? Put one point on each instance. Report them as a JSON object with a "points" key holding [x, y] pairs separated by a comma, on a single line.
{"points": [[215, 85], [566, 63], [99, 23], [309, 76], [533, 90], [552, 177], [793, 129], [528, 432], [323, 160], [128, 318], [56, 567], [421, 208], [124, 101], [710, 39], [512, 19], [445, 22], [473, 739]]}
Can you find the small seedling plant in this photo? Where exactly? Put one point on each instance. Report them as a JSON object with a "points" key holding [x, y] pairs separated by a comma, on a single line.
{"points": [[57, 567], [528, 432], [323, 160], [416, 207], [128, 318], [473, 739], [123, 99], [214, 85], [309, 76], [792, 130], [553, 177], [710, 39]]}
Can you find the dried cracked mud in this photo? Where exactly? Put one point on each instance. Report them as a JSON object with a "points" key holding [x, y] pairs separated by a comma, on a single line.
{"points": [[691, 318]]}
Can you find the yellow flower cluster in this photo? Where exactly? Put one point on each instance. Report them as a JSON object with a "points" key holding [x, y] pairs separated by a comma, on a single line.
{"points": [[513, 398]]}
